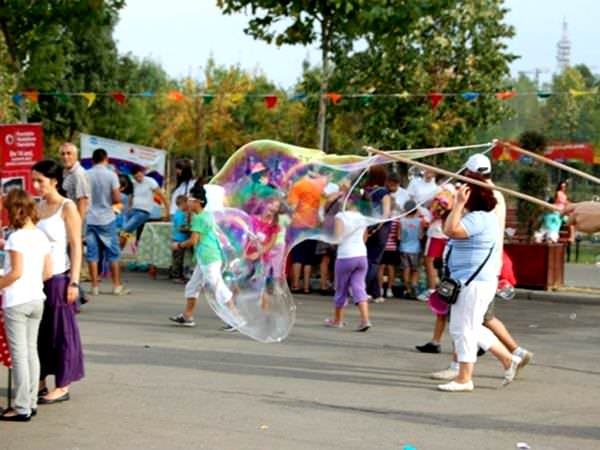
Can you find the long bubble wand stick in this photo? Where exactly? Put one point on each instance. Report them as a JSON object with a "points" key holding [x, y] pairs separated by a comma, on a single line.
{"points": [[504, 190]]}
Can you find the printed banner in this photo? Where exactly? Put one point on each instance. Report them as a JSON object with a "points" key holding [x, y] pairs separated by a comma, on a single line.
{"points": [[21, 145], [124, 156]]}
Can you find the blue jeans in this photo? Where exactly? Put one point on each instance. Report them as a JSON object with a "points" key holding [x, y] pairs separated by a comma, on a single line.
{"points": [[135, 219], [102, 237]]}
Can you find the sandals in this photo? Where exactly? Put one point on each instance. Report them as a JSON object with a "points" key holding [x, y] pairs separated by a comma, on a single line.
{"points": [[14, 418]]}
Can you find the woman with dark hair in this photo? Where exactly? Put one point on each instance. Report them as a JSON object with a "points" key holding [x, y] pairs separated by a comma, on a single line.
{"points": [[472, 227], [560, 195], [184, 182], [59, 343], [380, 205]]}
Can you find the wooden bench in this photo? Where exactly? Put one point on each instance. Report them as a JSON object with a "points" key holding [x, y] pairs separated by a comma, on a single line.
{"points": [[565, 236]]}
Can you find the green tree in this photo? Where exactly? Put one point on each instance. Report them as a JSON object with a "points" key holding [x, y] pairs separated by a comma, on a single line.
{"points": [[60, 46], [563, 111], [332, 24], [439, 46]]}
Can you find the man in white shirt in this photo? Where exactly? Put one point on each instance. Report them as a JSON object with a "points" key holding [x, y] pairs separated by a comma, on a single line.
{"points": [[422, 190], [141, 202]]}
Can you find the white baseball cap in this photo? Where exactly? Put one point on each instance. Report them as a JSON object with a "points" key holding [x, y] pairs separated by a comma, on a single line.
{"points": [[479, 163]]}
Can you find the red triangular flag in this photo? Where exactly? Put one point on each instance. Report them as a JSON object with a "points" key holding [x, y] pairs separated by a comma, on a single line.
{"points": [[505, 95], [271, 101], [334, 97], [435, 98], [118, 96]]}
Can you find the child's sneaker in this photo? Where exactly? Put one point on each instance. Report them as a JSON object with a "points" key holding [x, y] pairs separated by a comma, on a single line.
{"points": [[180, 319], [120, 290], [363, 326], [424, 296], [330, 323]]}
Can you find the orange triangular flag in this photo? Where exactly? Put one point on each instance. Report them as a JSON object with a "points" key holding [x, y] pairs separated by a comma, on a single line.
{"points": [[32, 95], [505, 95], [119, 97], [175, 96], [271, 101], [334, 97], [435, 98]]}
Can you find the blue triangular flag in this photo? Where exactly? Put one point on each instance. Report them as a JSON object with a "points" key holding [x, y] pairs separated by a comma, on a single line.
{"points": [[470, 96], [17, 99]]}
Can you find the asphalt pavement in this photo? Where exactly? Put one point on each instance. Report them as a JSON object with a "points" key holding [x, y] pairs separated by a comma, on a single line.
{"points": [[152, 385]]}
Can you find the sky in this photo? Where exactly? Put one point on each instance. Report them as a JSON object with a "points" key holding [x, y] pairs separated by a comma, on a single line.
{"points": [[183, 34]]}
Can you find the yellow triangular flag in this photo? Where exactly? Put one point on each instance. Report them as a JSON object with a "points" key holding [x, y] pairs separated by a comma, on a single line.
{"points": [[90, 97], [576, 93], [236, 98]]}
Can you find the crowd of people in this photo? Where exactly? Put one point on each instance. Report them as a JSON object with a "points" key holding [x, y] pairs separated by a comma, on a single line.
{"points": [[452, 232]]}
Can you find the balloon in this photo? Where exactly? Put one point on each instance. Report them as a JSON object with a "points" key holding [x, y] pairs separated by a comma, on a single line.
{"points": [[274, 196]]}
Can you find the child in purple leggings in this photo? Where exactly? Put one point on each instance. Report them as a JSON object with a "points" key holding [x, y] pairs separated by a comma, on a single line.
{"points": [[350, 268]]}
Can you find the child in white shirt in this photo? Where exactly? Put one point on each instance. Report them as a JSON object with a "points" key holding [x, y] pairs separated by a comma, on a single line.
{"points": [[26, 267]]}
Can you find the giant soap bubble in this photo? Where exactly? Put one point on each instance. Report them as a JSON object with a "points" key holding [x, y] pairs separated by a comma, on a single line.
{"points": [[275, 196]]}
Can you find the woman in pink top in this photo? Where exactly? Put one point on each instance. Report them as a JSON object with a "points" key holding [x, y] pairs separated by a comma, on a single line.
{"points": [[560, 195]]}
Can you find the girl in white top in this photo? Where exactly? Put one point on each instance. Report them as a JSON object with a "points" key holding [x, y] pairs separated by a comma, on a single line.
{"points": [[27, 265], [59, 345], [184, 184], [350, 267]]}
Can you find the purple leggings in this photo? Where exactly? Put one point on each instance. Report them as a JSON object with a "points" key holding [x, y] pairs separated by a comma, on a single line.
{"points": [[350, 274]]}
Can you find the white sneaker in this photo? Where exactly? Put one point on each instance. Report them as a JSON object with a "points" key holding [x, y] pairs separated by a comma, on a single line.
{"points": [[424, 296], [95, 290], [389, 293], [446, 374], [526, 357], [512, 371], [379, 300], [453, 386], [120, 290]]}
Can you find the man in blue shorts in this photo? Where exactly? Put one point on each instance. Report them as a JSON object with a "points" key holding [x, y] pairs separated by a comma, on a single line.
{"points": [[101, 233]]}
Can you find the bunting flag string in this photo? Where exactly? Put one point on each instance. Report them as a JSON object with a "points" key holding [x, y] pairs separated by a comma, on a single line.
{"points": [[271, 100]]}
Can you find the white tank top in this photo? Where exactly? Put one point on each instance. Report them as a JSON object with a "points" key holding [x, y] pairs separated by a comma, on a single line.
{"points": [[55, 229]]}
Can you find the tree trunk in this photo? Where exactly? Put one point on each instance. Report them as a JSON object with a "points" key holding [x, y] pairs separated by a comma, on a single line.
{"points": [[325, 45], [199, 126]]}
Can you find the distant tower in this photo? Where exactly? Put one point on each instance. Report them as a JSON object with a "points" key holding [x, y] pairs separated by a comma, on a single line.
{"points": [[563, 49]]}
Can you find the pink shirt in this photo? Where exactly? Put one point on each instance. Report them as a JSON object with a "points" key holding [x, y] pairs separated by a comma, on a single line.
{"points": [[561, 200], [264, 232]]}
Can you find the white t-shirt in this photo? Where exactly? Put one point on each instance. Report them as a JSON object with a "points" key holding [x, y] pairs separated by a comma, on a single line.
{"points": [[33, 245], [436, 230], [400, 197], [422, 191], [183, 189], [352, 240], [143, 194]]}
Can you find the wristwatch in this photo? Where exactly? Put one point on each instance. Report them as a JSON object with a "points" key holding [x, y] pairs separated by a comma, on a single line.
{"points": [[73, 284]]}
